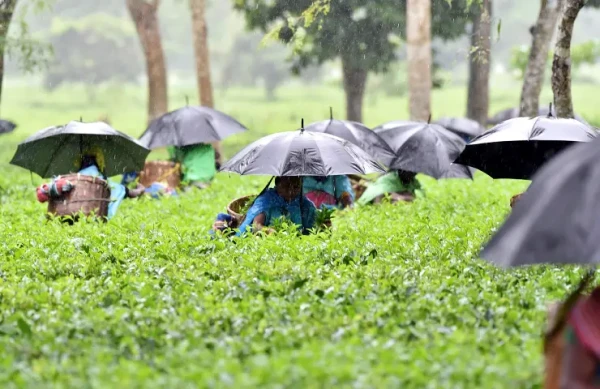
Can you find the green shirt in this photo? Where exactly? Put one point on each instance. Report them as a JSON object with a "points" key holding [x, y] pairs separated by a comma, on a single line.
{"points": [[197, 162], [387, 183]]}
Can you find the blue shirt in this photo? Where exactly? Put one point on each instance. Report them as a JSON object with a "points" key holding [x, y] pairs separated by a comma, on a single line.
{"points": [[274, 206]]}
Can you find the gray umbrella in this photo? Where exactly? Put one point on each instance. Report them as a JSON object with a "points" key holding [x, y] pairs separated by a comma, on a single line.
{"points": [[189, 126], [6, 126], [558, 219], [461, 126], [58, 150], [516, 148], [421, 147], [358, 134], [302, 153], [459, 171], [512, 113]]}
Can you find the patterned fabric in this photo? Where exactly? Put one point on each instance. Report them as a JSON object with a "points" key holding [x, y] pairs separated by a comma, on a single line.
{"points": [[321, 199], [197, 162], [274, 206], [388, 183], [585, 320], [327, 191]]}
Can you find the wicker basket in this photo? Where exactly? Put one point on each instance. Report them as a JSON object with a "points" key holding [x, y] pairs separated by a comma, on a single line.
{"points": [[161, 171], [234, 207], [90, 195]]}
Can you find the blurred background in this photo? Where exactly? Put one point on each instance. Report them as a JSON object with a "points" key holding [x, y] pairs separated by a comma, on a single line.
{"points": [[67, 59]]}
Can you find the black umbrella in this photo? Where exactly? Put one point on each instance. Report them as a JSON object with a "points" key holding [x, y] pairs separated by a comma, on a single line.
{"points": [[421, 147], [518, 147], [459, 171], [558, 219], [189, 126], [58, 150], [301, 153], [462, 126], [512, 113], [358, 134], [6, 126]]}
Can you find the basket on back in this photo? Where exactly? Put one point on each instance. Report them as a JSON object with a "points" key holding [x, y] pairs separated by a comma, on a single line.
{"points": [[89, 195], [161, 171]]}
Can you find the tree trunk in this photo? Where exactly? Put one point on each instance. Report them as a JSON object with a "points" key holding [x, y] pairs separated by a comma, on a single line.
{"points": [[561, 65], [536, 67], [479, 64], [418, 38], [205, 91], [144, 15], [7, 9], [355, 80]]}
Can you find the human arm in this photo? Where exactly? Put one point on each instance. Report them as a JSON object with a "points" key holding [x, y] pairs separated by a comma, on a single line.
{"points": [[343, 188], [259, 224]]}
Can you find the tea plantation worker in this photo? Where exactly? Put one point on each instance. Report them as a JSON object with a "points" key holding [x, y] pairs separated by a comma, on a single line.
{"points": [[156, 189], [401, 185], [285, 200], [581, 358], [91, 164], [330, 191], [198, 163]]}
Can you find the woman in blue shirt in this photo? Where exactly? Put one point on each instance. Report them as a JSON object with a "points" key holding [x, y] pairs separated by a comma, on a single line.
{"points": [[285, 200]]}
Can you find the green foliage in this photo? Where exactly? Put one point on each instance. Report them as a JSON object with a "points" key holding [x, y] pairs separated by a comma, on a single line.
{"points": [[582, 53], [107, 51], [31, 54], [392, 296], [365, 34]]}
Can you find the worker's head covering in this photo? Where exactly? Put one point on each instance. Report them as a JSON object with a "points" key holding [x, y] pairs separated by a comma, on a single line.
{"points": [[585, 319]]}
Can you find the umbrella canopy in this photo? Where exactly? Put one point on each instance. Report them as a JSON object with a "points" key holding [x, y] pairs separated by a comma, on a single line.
{"points": [[459, 171], [421, 147], [512, 113], [6, 126], [558, 219], [301, 153], [518, 147], [57, 150], [462, 126], [358, 134], [189, 126]]}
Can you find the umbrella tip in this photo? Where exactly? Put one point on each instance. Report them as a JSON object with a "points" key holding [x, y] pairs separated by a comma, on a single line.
{"points": [[302, 125], [187, 100], [550, 110], [330, 113], [429, 119]]}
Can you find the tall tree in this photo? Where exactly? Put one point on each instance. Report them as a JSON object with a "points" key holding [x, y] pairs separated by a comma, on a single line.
{"points": [[200, 33], [205, 91], [478, 99], [7, 9], [418, 39], [533, 79], [144, 15], [561, 64], [356, 31]]}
